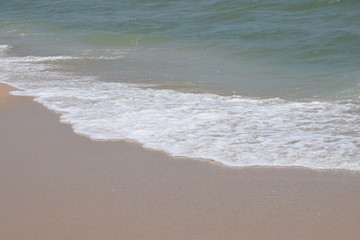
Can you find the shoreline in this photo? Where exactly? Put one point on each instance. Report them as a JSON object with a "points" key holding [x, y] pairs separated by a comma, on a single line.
{"points": [[212, 161], [56, 184]]}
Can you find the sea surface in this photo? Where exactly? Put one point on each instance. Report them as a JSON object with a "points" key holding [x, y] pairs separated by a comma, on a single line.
{"points": [[240, 82]]}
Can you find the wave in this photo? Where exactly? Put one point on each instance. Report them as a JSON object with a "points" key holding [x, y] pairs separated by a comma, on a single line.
{"points": [[232, 130]]}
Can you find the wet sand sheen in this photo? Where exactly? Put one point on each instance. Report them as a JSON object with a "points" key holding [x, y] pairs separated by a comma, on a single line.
{"points": [[55, 184]]}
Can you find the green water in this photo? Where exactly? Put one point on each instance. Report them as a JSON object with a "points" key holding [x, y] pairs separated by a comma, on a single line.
{"points": [[288, 49]]}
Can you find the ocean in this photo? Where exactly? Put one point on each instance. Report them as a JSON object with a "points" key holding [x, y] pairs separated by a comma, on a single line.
{"points": [[239, 82]]}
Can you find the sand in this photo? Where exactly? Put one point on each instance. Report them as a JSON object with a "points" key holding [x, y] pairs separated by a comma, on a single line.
{"points": [[55, 184]]}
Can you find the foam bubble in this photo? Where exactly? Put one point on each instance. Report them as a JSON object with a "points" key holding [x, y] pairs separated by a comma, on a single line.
{"points": [[233, 130]]}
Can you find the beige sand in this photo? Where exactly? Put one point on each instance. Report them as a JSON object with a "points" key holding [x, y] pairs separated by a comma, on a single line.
{"points": [[56, 185]]}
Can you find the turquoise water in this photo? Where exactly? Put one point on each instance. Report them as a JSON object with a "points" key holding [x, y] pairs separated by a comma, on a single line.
{"points": [[267, 82], [255, 48]]}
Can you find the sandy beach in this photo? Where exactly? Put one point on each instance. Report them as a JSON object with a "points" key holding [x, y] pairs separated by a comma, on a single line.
{"points": [[56, 185]]}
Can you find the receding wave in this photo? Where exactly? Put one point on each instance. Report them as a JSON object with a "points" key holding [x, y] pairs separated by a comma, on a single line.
{"points": [[232, 130]]}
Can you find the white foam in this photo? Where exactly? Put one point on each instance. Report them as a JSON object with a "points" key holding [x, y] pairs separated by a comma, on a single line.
{"points": [[104, 54], [33, 59], [4, 49], [232, 130]]}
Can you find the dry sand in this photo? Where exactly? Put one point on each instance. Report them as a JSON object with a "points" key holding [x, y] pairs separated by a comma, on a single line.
{"points": [[56, 185]]}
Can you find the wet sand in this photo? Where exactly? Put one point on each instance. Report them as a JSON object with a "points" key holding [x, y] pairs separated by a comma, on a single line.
{"points": [[56, 185]]}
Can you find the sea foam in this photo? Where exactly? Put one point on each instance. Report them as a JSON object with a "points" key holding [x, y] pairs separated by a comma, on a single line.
{"points": [[232, 130]]}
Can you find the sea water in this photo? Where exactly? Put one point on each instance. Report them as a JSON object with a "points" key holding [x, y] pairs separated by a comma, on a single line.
{"points": [[240, 82]]}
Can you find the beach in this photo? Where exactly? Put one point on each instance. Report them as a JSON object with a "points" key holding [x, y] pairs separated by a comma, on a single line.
{"points": [[55, 184], [169, 120]]}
